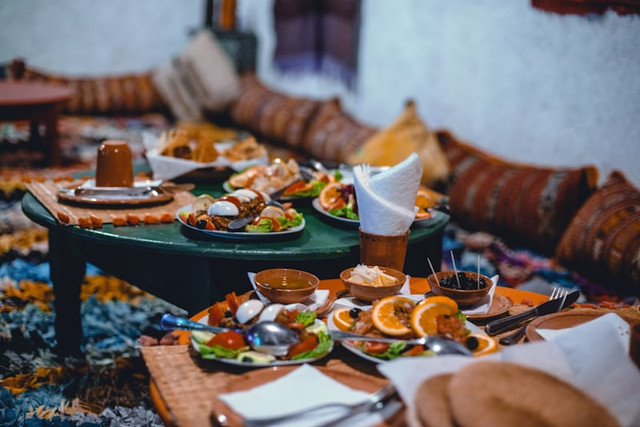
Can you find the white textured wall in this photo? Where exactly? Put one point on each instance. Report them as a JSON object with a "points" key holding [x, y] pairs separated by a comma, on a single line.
{"points": [[525, 84]]}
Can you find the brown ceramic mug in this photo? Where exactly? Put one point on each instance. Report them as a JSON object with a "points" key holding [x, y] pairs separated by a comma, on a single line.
{"points": [[114, 167], [383, 251]]}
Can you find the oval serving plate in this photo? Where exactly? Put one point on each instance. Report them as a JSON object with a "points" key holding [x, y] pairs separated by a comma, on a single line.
{"points": [[356, 223], [332, 327], [235, 362], [238, 235], [88, 193], [353, 379]]}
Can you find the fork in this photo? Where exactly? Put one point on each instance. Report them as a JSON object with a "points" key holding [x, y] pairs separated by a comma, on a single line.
{"points": [[514, 338], [374, 401]]}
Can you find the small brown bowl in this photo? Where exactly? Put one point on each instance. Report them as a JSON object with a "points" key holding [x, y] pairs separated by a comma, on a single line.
{"points": [[285, 285], [464, 298], [372, 292]]}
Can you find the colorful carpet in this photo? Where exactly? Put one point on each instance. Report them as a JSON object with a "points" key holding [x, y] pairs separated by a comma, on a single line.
{"points": [[109, 385]]}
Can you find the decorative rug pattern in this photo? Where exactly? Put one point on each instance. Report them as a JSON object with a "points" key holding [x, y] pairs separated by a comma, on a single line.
{"points": [[110, 384]]}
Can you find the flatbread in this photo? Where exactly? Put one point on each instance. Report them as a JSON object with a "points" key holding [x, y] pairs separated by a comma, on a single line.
{"points": [[508, 394], [432, 402]]}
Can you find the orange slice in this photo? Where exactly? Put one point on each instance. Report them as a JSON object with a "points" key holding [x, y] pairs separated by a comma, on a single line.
{"points": [[485, 345], [439, 299], [424, 316], [331, 196], [389, 314], [342, 319]]}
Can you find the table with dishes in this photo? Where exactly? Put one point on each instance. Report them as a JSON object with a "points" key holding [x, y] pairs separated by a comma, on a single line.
{"points": [[316, 299]]}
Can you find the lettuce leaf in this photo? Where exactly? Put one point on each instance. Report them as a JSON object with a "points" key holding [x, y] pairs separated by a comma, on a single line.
{"points": [[315, 190], [263, 226], [307, 318], [345, 211], [324, 344], [393, 352], [215, 351]]}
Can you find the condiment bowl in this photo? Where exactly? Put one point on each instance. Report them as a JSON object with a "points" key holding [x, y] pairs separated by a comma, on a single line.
{"points": [[370, 292], [285, 285], [464, 298]]}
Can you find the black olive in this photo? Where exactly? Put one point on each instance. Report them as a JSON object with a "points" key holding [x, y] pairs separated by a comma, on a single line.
{"points": [[201, 223], [353, 313], [472, 343], [228, 313]]}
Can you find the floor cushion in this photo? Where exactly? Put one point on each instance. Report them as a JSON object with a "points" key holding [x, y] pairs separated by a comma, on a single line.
{"points": [[524, 204], [603, 239], [406, 135]]}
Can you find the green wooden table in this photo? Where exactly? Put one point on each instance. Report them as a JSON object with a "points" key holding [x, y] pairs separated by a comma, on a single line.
{"points": [[191, 270]]}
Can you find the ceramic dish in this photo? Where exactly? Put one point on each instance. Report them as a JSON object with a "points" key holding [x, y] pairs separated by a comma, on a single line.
{"points": [[435, 215], [252, 379], [499, 306], [332, 327], [239, 235], [143, 192], [561, 320], [235, 362]]}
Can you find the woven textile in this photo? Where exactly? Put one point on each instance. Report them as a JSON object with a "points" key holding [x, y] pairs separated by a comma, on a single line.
{"points": [[524, 204], [603, 239], [334, 135]]}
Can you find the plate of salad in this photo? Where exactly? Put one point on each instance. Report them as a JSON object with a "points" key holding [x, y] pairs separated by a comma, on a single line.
{"points": [[405, 317], [231, 348]]}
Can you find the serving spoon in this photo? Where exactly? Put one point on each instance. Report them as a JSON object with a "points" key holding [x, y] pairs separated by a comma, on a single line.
{"points": [[266, 337], [276, 338]]}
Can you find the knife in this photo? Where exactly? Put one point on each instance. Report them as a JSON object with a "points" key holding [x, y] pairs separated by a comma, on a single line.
{"points": [[500, 325]]}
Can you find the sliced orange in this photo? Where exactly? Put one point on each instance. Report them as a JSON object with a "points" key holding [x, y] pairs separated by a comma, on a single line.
{"points": [[424, 316], [485, 345], [390, 315], [442, 300], [331, 196], [342, 319]]}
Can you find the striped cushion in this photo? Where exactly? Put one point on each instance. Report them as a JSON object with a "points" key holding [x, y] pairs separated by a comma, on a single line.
{"points": [[117, 94], [334, 135], [273, 115], [521, 203], [603, 239]]}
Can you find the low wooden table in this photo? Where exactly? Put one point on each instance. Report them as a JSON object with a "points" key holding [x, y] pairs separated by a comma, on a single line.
{"points": [[40, 104], [182, 386], [192, 270]]}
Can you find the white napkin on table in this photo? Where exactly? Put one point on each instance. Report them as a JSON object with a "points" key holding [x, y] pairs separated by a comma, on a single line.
{"points": [[483, 306], [302, 388], [386, 201], [315, 301], [591, 357]]}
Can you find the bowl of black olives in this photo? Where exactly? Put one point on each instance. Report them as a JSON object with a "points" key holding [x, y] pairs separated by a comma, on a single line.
{"points": [[466, 288]]}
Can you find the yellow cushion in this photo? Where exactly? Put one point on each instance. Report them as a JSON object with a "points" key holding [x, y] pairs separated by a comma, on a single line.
{"points": [[407, 134]]}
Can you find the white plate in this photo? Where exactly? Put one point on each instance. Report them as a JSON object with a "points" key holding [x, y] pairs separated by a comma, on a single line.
{"points": [[204, 321], [332, 327], [238, 235], [355, 223]]}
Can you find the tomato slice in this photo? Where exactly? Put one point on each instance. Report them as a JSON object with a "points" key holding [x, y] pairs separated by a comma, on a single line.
{"points": [[375, 347], [216, 314], [228, 339], [307, 344]]}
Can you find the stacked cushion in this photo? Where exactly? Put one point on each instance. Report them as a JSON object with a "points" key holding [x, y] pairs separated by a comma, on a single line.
{"points": [[524, 204], [334, 135], [270, 114], [603, 239], [116, 94], [407, 134]]}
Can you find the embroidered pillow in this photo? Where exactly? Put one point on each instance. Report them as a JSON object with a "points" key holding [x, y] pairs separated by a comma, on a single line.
{"points": [[177, 94], [407, 134], [603, 239], [334, 135], [273, 115], [523, 204], [117, 94]]}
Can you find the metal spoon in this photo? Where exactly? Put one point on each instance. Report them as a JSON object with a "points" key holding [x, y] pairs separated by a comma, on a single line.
{"points": [[266, 337], [438, 344]]}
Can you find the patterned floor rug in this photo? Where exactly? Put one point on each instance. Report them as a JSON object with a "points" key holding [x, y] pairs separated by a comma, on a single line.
{"points": [[109, 385]]}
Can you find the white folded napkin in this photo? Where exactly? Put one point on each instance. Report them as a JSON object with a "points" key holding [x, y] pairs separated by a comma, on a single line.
{"points": [[302, 388], [591, 357], [315, 301], [386, 201], [165, 167], [483, 306]]}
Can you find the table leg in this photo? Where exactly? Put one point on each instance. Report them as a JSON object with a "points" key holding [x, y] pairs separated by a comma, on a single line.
{"points": [[50, 140], [67, 272]]}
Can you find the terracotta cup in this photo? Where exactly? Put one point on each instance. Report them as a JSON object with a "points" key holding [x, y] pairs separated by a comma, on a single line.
{"points": [[114, 167], [634, 347], [383, 251]]}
